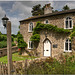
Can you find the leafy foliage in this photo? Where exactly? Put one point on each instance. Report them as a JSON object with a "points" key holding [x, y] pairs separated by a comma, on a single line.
{"points": [[35, 37], [3, 38], [3, 44], [66, 7], [52, 66], [72, 33], [50, 27], [21, 43], [0, 33], [38, 10]]}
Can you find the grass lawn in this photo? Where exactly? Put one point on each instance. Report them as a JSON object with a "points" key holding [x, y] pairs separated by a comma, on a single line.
{"points": [[15, 57]]}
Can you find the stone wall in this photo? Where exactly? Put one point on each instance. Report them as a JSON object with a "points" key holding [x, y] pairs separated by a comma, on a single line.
{"points": [[55, 39], [3, 51], [73, 44], [57, 20]]}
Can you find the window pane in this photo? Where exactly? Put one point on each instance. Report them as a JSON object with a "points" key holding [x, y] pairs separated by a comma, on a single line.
{"points": [[46, 21], [66, 46], [70, 22], [66, 40], [31, 45], [32, 27], [70, 46], [66, 24]]}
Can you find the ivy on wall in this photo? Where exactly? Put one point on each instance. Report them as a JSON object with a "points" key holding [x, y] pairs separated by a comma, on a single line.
{"points": [[72, 33], [21, 42], [39, 26]]}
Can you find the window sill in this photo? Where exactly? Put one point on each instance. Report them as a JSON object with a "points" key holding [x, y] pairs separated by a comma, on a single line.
{"points": [[46, 23], [67, 51], [68, 28], [30, 48], [30, 31]]}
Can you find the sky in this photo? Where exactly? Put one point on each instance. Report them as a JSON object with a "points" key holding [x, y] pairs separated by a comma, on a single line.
{"points": [[17, 10]]}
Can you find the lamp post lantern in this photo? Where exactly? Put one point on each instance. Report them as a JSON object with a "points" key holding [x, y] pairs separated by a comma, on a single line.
{"points": [[7, 25], [5, 20]]}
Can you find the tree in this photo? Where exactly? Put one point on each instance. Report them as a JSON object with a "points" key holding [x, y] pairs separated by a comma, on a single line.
{"points": [[54, 11], [37, 10], [0, 33], [66, 7]]}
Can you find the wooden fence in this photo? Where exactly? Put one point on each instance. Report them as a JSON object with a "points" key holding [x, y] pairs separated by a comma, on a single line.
{"points": [[3, 51], [19, 67], [3, 69]]}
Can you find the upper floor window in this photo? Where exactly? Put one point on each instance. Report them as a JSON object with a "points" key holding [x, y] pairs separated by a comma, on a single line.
{"points": [[30, 45], [30, 27], [46, 21], [68, 45], [68, 23]]}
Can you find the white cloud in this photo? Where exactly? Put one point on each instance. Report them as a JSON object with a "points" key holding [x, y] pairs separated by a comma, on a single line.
{"points": [[14, 24], [20, 7], [2, 12], [71, 5]]}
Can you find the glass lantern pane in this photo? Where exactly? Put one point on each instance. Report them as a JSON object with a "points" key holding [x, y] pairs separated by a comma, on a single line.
{"points": [[4, 22]]}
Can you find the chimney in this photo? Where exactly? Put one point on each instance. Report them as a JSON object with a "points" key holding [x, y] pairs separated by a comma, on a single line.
{"points": [[47, 9]]}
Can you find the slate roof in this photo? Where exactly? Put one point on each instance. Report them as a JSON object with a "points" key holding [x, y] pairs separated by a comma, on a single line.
{"points": [[50, 14]]}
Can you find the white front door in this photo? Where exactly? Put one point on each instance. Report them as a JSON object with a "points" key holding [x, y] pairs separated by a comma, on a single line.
{"points": [[47, 48]]}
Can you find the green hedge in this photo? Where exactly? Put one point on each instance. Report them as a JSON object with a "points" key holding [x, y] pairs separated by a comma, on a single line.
{"points": [[3, 44], [4, 38]]}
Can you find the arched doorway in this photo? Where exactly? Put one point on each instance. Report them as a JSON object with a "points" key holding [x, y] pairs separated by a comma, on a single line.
{"points": [[47, 48]]}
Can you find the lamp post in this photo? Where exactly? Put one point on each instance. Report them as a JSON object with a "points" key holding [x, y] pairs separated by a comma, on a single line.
{"points": [[7, 25]]}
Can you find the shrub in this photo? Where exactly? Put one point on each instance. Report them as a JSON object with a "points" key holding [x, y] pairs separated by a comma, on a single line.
{"points": [[3, 44], [12, 38], [13, 44], [34, 69], [52, 66], [21, 43], [35, 38], [3, 38]]}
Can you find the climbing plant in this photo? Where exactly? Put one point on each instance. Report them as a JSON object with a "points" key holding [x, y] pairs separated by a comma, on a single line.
{"points": [[39, 26], [21, 43], [72, 33]]}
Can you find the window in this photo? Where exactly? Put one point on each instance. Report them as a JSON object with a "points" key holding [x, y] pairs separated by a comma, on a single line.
{"points": [[46, 21], [68, 23], [68, 45], [30, 45], [31, 27]]}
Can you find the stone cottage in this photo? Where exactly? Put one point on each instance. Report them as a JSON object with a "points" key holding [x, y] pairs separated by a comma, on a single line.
{"points": [[51, 43]]}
